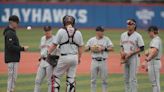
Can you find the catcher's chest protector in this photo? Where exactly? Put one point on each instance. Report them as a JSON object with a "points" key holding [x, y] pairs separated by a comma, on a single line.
{"points": [[70, 39]]}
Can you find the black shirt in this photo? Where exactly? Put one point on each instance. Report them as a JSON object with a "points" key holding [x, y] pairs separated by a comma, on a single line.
{"points": [[12, 47]]}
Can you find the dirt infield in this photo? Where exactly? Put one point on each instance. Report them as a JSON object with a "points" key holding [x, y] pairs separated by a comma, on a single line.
{"points": [[29, 63]]}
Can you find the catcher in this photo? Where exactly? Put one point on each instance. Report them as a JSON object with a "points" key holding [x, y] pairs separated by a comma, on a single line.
{"points": [[46, 66]]}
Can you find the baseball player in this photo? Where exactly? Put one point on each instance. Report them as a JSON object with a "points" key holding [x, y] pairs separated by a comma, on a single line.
{"points": [[153, 56], [70, 43], [131, 44], [99, 46], [12, 51], [44, 69]]}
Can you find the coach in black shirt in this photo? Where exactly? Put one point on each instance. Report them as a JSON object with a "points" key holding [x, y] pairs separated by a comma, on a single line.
{"points": [[12, 51]]}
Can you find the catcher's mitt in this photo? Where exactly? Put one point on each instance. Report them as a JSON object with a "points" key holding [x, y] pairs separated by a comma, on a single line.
{"points": [[52, 60]]}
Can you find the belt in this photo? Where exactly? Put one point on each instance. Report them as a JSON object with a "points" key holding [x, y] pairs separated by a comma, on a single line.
{"points": [[62, 54], [99, 58], [157, 59], [44, 58]]}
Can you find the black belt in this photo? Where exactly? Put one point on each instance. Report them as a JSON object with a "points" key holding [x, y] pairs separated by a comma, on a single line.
{"points": [[99, 59], [157, 59], [44, 58], [67, 54]]}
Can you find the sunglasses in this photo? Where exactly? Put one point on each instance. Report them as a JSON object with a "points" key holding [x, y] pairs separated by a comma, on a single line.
{"points": [[130, 23]]}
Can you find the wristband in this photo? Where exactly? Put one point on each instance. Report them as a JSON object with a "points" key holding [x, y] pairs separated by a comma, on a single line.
{"points": [[89, 48], [105, 49]]}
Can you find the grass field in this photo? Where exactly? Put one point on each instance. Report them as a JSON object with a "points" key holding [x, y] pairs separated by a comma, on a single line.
{"points": [[32, 37], [25, 83]]}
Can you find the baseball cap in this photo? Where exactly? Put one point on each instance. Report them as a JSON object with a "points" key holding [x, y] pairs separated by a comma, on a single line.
{"points": [[152, 28], [47, 28], [100, 28], [14, 18]]}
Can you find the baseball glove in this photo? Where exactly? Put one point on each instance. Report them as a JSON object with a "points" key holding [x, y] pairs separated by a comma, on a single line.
{"points": [[95, 48], [52, 60]]}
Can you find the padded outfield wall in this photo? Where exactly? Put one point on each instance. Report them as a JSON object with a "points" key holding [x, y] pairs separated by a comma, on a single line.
{"points": [[88, 15]]}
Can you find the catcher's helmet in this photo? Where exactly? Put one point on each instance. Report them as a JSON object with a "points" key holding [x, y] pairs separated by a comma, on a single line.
{"points": [[68, 20]]}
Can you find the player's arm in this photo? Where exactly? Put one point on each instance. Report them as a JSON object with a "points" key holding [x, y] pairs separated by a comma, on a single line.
{"points": [[87, 46], [80, 46], [51, 48], [80, 51], [138, 50], [122, 53], [109, 46], [152, 53], [55, 42]]}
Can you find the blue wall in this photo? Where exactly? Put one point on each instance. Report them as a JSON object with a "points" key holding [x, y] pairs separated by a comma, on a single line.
{"points": [[89, 15]]}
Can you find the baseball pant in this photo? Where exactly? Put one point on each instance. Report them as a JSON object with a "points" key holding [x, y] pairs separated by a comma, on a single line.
{"points": [[99, 67], [154, 74], [130, 71], [12, 75], [41, 74], [68, 64]]}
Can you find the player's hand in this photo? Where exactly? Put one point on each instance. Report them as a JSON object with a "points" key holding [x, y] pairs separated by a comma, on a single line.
{"points": [[25, 48], [79, 61], [100, 48], [147, 52], [144, 65], [128, 55], [123, 54]]}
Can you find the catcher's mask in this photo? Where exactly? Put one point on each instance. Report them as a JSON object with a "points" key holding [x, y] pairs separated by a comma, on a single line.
{"points": [[68, 20]]}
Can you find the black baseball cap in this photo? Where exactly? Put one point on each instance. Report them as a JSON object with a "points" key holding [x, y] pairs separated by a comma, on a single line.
{"points": [[47, 28], [100, 28], [152, 28], [14, 18]]}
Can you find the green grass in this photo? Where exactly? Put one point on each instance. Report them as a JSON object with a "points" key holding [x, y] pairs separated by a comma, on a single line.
{"points": [[32, 37], [25, 83]]}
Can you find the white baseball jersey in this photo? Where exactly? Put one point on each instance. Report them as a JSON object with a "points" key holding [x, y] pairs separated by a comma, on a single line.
{"points": [[44, 69], [157, 43], [132, 42], [104, 42], [45, 43], [155, 64], [62, 37]]}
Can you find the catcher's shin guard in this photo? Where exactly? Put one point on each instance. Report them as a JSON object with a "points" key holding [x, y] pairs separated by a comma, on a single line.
{"points": [[56, 85], [70, 83]]}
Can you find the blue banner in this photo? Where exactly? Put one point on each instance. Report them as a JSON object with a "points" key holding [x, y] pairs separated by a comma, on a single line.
{"points": [[88, 16]]}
